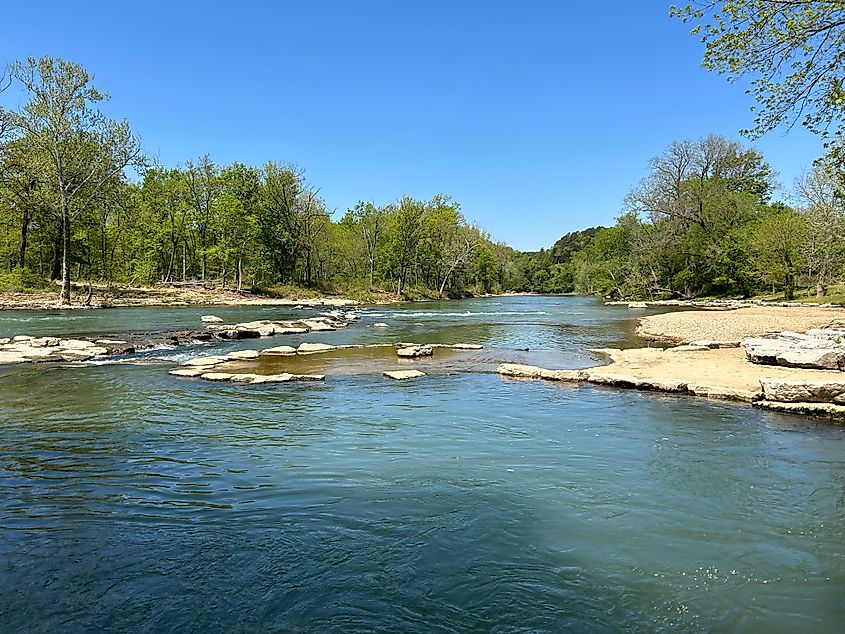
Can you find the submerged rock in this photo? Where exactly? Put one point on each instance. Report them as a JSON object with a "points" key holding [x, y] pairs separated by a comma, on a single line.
{"points": [[381, 324], [211, 319]]}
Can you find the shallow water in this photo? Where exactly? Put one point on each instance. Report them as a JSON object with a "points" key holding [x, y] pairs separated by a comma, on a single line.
{"points": [[133, 500]]}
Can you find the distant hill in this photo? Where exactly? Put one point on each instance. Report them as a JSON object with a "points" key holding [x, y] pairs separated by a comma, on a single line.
{"points": [[564, 249]]}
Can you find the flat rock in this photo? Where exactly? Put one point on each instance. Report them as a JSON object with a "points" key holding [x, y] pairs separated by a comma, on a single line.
{"points": [[211, 319], [466, 346], [797, 391], [713, 344], [8, 357], [205, 361], [401, 375], [822, 410], [604, 377], [822, 359], [45, 342], [415, 351], [243, 354], [216, 376], [317, 325], [189, 372], [381, 324], [309, 377], [285, 350], [724, 393], [520, 370], [290, 330], [272, 378], [75, 344], [237, 333], [311, 348]]}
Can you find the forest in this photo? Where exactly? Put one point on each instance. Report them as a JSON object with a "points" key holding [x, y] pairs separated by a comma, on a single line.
{"points": [[81, 203], [71, 212]]}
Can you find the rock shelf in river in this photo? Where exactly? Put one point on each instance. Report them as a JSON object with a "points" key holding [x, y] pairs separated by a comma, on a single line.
{"points": [[26, 349], [720, 373], [29, 349], [312, 361]]}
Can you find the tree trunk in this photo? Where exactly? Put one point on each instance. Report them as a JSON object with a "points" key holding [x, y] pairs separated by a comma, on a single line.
{"points": [[789, 287], [56, 263], [24, 233], [64, 298]]}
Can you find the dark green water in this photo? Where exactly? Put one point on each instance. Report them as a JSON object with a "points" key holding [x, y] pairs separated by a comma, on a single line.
{"points": [[131, 500]]}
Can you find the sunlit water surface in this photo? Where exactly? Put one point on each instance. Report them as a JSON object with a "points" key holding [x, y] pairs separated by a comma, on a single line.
{"points": [[133, 500]]}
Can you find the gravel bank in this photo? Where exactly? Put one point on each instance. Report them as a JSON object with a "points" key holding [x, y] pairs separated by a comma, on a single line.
{"points": [[734, 325]]}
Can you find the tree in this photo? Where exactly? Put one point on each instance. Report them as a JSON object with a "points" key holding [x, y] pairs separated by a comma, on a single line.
{"points": [[824, 212], [776, 244], [793, 51], [80, 148], [371, 220]]}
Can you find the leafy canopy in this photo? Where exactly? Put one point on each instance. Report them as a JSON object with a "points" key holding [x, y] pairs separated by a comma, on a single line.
{"points": [[792, 50]]}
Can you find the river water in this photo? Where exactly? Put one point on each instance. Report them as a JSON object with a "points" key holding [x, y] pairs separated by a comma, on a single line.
{"points": [[131, 500]]}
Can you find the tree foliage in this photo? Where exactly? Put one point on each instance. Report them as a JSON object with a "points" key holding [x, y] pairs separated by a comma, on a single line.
{"points": [[793, 52]]}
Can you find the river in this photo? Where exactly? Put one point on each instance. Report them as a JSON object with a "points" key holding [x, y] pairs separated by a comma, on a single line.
{"points": [[131, 500]]}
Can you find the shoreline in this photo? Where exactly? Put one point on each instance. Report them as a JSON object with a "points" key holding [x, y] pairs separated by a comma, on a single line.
{"points": [[191, 295], [160, 296], [705, 359]]}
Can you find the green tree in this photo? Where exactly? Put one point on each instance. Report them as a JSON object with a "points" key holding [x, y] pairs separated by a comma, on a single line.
{"points": [[79, 148], [792, 50], [775, 248]]}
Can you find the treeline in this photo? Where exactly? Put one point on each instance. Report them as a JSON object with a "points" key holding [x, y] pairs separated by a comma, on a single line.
{"points": [[69, 211], [703, 223]]}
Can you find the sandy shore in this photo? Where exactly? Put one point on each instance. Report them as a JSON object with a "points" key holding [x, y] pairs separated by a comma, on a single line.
{"points": [[718, 369], [735, 325], [158, 296]]}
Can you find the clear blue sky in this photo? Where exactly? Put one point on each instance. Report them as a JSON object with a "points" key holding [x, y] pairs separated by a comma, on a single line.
{"points": [[537, 116]]}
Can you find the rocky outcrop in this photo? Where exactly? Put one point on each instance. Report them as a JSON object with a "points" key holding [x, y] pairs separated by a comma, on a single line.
{"points": [[26, 349], [798, 391], [822, 349], [328, 321]]}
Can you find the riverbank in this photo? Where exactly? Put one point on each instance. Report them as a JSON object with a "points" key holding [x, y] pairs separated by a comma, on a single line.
{"points": [[732, 326], [103, 296], [710, 362]]}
